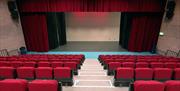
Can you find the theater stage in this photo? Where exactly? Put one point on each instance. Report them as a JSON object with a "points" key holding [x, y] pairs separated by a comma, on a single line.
{"points": [[91, 47]]}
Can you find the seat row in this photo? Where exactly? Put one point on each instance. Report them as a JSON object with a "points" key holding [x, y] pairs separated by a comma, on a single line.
{"points": [[105, 63], [155, 86], [24, 85], [114, 65], [17, 64], [132, 58], [127, 75], [62, 74]]}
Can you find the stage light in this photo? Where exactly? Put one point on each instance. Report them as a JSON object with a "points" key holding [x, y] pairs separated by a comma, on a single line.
{"points": [[161, 33]]}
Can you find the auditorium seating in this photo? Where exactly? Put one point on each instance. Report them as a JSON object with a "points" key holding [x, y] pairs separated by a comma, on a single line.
{"points": [[4, 64], [29, 64], [163, 74], [149, 61], [142, 65], [112, 66], [143, 74], [43, 85], [73, 66], [170, 65], [64, 75], [34, 85], [147, 86], [57, 64], [26, 73], [44, 73], [13, 85], [172, 85], [123, 75], [7, 72], [157, 65], [150, 85], [128, 64], [177, 74], [44, 64], [16, 64]]}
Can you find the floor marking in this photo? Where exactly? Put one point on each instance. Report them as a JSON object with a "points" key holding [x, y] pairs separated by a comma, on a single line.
{"points": [[109, 81], [92, 75]]}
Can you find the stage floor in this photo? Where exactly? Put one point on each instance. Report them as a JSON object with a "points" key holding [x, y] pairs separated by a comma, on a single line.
{"points": [[91, 47]]}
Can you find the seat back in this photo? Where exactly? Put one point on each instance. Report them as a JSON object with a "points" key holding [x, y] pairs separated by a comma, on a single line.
{"points": [[26, 72], [44, 73]]}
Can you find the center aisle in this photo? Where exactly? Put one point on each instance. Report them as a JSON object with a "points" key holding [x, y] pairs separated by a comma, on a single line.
{"points": [[92, 77]]}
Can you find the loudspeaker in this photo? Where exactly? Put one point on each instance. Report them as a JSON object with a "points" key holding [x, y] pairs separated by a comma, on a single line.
{"points": [[13, 10], [170, 9]]}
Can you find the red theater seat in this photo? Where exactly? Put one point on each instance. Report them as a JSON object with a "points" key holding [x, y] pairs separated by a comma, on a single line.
{"points": [[6, 72], [157, 65], [178, 65], [44, 64], [63, 74], [177, 74], [16, 64], [4, 64], [148, 86], [142, 65], [13, 85], [43, 85], [57, 64], [26, 72], [128, 64], [143, 74], [112, 66], [73, 66], [170, 65], [172, 85], [162, 74], [44, 73], [123, 75], [29, 64]]}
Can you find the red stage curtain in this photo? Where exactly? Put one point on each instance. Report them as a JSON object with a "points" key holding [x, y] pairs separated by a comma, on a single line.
{"points": [[144, 32], [91, 5], [35, 32]]}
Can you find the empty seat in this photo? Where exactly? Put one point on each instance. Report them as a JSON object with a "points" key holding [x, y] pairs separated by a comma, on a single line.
{"points": [[170, 65], [29, 64], [57, 64], [26, 73], [177, 74], [178, 65], [112, 66], [142, 65], [44, 73], [148, 86], [162, 74], [73, 66], [6, 72], [157, 65], [63, 74], [143, 74], [13, 85], [123, 75], [128, 64], [16, 64], [44, 64], [172, 85], [43, 85], [4, 64]]}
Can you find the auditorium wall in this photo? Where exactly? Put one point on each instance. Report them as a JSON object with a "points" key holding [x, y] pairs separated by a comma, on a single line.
{"points": [[11, 35], [93, 26], [171, 29]]}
